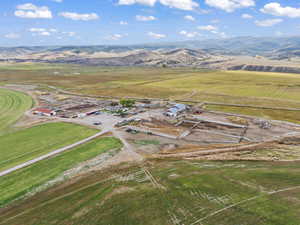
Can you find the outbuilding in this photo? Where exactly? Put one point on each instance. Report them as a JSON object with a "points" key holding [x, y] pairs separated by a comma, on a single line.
{"points": [[44, 112], [175, 110]]}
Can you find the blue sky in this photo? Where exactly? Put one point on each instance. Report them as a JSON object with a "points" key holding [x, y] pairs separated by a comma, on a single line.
{"points": [[91, 22]]}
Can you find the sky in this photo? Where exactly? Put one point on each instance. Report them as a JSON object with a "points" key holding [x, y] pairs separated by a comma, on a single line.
{"points": [[123, 22]]}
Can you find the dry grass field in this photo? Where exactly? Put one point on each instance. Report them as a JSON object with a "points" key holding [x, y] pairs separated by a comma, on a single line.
{"points": [[238, 87]]}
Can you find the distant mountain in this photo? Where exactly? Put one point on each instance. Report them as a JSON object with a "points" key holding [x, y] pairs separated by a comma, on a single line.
{"points": [[280, 54], [265, 46], [281, 47]]}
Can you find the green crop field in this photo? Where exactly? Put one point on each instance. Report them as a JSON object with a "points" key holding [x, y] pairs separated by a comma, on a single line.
{"points": [[170, 192], [238, 87], [12, 106], [27, 144], [25, 180]]}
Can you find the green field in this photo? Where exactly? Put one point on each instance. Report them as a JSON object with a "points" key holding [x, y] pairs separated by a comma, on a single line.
{"points": [[12, 106], [180, 192], [25, 180], [27, 144], [238, 87]]}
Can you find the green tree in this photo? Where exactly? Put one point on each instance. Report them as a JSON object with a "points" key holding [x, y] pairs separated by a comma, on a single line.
{"points": [[128, 103]]}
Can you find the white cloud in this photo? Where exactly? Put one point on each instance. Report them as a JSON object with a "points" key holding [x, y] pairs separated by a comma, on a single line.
{"points": [[31, 11], [213, 29], [77, 16], [179, 4], [69, 33], [189, 34], [143, 2], [215, 21], [42, 31], [156, 36], [247, 16], [12, 36], [123, 23], [230, 5], [145, 18], [276, 9], [37, 29], [208, 28], [53, 30], [45, 33], [268, 23], [189, 17], [57, 1], [115, 37]]}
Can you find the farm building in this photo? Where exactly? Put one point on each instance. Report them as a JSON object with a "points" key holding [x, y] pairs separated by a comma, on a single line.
{"points": [[44, 112], [175, 110]]}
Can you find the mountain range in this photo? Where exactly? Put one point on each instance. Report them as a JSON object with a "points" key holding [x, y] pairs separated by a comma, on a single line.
{"points": [[249, 53]]}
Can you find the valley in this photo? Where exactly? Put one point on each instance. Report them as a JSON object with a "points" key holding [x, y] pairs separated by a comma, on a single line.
{"points": [[179, 145]]}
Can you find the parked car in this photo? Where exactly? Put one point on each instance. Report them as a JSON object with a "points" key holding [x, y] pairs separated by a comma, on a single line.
{"points": [[97, 123]]}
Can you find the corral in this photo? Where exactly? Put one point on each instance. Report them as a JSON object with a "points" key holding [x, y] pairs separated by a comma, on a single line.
{"points": [[191, 131]]}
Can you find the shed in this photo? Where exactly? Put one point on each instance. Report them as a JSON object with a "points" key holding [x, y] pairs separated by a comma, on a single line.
{"points": [[44, 112]]}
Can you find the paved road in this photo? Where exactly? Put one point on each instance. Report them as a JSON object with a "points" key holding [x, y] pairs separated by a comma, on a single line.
{"points": [[5, 172]]}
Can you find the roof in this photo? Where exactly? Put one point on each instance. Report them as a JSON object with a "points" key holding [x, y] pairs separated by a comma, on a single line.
{"points": [[180, 106], [43, 110]]}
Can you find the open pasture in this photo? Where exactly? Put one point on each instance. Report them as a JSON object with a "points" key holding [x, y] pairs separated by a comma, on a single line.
{"points": [[170, 192], [24, 145], [237, 87], [22, 181], [12, 106]]}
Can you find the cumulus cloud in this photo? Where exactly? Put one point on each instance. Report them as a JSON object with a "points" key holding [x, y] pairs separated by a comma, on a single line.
{"points": [[77, 16], [31, 11], [215, 21], [145, 18], [189, 17], [115, 37], [213, 29], [208, 28], [230, 5], [123, 23], [247, 16], [268, 23], [276, 9], [12, 36], [42, 31], [156, 35], [143, 2], [189, 34], [69, 33], [178, 4]]}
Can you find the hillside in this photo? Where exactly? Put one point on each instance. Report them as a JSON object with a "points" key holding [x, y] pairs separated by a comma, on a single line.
{"points": [[243, 53]]}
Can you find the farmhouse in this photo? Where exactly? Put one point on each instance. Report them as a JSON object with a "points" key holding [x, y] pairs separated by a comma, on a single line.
{"points": [[44, 112], [175, 110]]}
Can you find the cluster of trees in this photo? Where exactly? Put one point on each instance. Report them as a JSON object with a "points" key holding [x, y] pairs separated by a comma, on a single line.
{"points": [[128, 103]]}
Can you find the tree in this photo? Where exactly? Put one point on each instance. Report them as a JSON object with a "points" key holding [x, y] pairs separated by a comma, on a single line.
{"points": [[128, 103]]}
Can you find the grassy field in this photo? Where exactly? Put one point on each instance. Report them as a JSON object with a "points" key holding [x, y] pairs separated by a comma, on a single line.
{"points": [[24, 180], [179, 192], [12, 106], [27, 144], [239, 87]]}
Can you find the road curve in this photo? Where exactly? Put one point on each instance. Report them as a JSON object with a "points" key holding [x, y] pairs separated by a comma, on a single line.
{"points": [[58, 151]]}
